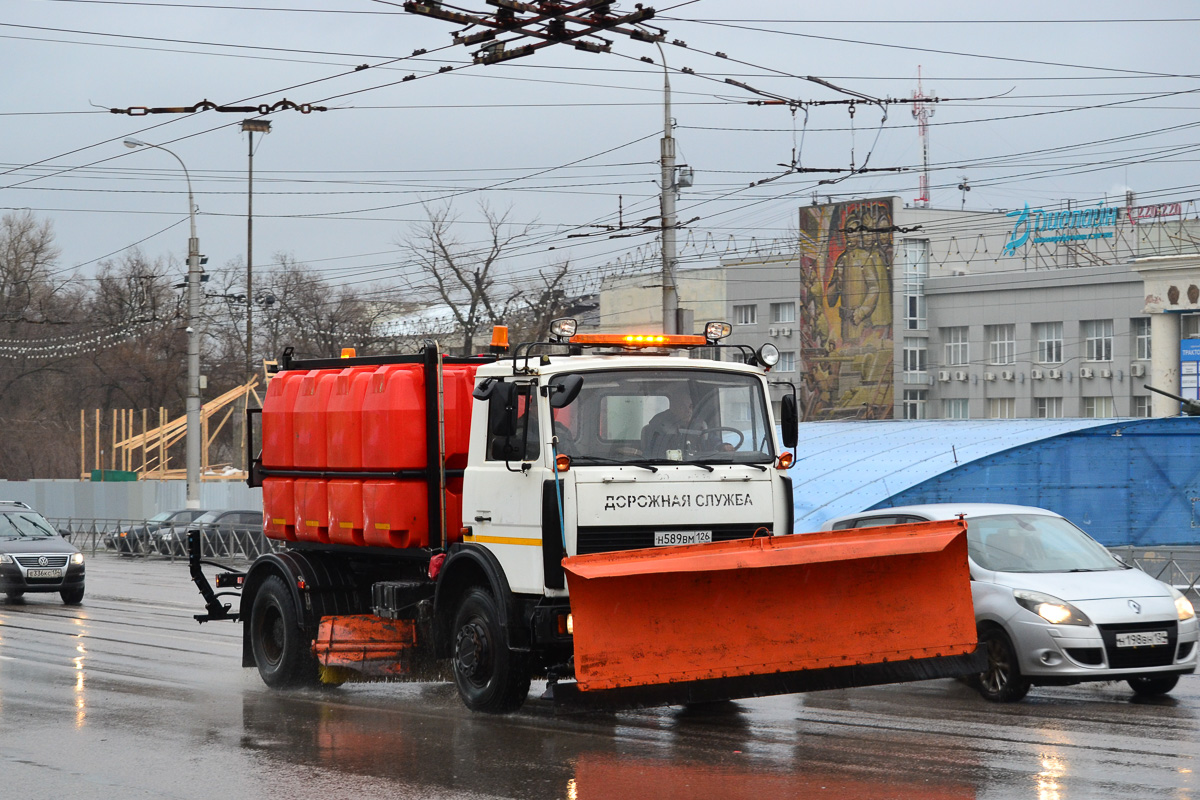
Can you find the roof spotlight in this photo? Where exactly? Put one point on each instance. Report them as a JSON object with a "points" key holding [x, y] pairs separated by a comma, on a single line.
{"points": [[563, 328], [768, 355]]}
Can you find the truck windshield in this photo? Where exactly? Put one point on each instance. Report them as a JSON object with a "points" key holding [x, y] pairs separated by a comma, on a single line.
{"points": [[667, 415]]}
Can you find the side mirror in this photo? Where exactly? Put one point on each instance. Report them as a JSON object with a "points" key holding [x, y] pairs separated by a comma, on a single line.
{"points": [[502, 409], [789, 420], [564, 389]]}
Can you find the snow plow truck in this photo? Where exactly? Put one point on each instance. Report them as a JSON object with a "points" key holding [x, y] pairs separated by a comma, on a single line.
{"points": [[611, 513]]}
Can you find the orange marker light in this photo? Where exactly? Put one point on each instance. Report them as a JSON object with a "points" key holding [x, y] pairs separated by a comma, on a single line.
{"points": [[637, 339], [784, 461], [348, 352], [562, 462], [500, 336]]}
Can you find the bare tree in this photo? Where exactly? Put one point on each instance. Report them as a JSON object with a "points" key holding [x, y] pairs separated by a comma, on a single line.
{"points": [[465, 278]]}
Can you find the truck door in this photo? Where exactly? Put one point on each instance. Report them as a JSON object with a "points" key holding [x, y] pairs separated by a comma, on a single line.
{"points": [[502, 486]]}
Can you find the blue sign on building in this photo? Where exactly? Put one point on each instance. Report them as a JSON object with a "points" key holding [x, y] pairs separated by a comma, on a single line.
{"points": [[1189, 369]]}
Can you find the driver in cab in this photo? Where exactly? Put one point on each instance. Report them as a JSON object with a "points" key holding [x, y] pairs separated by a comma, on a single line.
{"points": [[668, 429]]}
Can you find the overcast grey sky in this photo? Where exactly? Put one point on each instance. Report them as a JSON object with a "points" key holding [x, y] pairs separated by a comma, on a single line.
{"points": [[1096, 97]]}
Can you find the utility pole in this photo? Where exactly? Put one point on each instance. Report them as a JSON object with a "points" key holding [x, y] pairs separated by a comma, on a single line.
{"points": [[670, 297]]}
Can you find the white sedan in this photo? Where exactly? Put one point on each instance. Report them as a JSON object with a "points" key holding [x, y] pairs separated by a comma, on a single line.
{"points": [[1054, 607]]}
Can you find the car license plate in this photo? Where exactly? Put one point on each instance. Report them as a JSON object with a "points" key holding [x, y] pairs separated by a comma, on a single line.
{"points": [[1142, 639], [669, 538], [44, 573]]}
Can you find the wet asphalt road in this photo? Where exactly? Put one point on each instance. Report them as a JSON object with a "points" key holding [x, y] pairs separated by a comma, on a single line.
{"points": [[127, 697]]}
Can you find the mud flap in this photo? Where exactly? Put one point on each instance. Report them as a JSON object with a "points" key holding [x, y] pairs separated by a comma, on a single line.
{"points": [[777, 615]]}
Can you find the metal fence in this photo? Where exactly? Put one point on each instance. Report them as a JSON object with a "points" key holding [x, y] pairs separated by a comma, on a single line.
{"points": [[1179, 566], [135, 538]]}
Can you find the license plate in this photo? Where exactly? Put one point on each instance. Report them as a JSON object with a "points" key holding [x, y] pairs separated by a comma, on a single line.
{"points": [[44, 573], [1142, 639], [669, 538]]}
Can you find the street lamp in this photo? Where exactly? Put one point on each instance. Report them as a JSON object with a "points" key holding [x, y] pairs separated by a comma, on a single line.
{"points": [[251, 126], [192, 442]]}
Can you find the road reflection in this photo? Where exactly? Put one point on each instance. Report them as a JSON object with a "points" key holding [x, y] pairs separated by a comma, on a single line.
{"points": [[80, 656], [676, 755]]}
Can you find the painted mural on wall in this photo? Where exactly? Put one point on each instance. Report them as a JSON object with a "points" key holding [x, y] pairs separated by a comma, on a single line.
{"points": [[846, 260]]}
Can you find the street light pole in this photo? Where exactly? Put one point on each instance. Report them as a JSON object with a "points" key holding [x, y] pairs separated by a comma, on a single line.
{"points": [[192, 442], [250, 126], [670, 297]]}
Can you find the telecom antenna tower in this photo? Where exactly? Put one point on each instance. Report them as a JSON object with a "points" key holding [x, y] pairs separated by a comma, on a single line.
{"points": [[922, 112]]}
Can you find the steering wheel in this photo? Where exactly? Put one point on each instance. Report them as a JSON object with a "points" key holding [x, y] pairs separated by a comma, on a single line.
{"points": [[718, 442]]}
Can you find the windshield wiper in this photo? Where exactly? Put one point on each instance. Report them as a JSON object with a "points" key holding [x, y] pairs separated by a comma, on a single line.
{"points": [[606, 460]]}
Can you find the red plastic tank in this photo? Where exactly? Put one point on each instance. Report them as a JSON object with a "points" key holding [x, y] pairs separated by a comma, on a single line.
{"points": [[312, 418], [279, 508], [458, 384], [345, 512], [395, 513], [393, 418], [343, 429], [312, 511], [278, 414]]}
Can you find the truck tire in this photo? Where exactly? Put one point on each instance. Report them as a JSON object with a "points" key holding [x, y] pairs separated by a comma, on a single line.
{"points": [[490, 677], [1002, 681], [281, 651]]}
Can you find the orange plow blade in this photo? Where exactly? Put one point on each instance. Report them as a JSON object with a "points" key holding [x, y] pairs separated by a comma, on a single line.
{"points": [[771, 615]]}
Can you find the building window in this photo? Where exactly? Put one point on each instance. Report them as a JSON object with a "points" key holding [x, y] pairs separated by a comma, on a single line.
{"points": [[956, 408], [1002, 407], [916, 270], [1098, 407], [1048, 407], [787, 361], [736, 356], [914, 354], [958, 353], [1097, 339], [783, 312], [1049, 342], [745, 315], [1190, 327], [914, 403], [1002, 344], [1141, 337], [1141, 406]]}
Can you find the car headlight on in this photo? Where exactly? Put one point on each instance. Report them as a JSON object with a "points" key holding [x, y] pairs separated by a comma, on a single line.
{"points": [[77, 558], [1050, 608], [1183, 607], [5, 558]]}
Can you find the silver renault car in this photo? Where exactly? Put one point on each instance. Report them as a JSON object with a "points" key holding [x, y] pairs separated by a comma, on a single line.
{"points": [[1054, 607]]}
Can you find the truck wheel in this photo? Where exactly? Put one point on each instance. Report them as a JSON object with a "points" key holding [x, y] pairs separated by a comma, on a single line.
{"points": [[1152, 685], [1001, 682], [490, 677], [281, 650]]}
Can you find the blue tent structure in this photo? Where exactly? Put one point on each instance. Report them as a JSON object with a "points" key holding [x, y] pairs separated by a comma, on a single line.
{"points": [[1124, 481]]}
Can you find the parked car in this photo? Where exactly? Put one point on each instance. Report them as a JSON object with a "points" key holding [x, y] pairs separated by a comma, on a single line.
{"points": [[222, 533], [35, 558], [139, 539], [1054, 607]]}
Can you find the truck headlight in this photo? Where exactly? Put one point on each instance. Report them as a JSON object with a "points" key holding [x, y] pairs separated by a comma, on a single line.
{"points": [[5, 558], [1183, 607], [1050, 608], [77, 558]]}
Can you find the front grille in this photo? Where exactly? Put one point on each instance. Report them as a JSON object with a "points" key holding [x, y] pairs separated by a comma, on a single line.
{"points": [[35, 561], [609, 539], [1135, 657]]}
